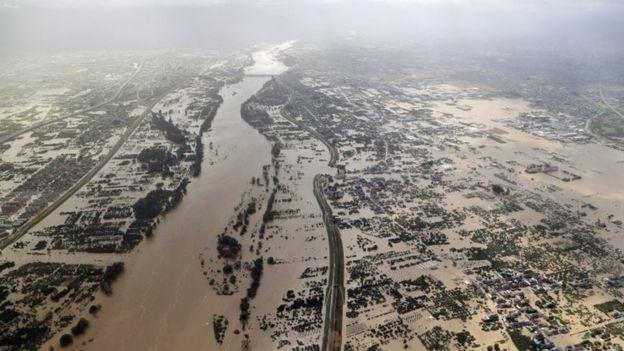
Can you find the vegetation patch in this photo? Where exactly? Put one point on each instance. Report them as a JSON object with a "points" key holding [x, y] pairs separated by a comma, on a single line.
{"points": [[610, 306], [521, 341], [219, 325], [228, 247], [111, 273]]}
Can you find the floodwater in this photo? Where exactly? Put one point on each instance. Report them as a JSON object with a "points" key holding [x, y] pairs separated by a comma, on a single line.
{"points": [[599, 166], [163, 301], [265, 62]]}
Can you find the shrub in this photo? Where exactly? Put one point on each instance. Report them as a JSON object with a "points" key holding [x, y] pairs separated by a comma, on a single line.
{"points": [[228, 247], [111, 273], [66, 340], [80, 327]]}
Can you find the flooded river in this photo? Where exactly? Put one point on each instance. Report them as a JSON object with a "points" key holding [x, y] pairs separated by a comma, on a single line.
{"points": [[163, 301]]}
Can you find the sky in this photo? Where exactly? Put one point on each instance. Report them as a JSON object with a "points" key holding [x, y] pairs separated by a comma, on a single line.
{"points": [[168, 24], [130, 3]]}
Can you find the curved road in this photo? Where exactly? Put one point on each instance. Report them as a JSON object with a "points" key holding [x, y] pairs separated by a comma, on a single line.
{"points": [[333, 153], [609, 105], [335, 294], [17, 133], [332, 149], [588, 123]]}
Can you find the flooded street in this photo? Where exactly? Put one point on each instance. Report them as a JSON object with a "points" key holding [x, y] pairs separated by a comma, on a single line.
{"points": [[163, 302]]}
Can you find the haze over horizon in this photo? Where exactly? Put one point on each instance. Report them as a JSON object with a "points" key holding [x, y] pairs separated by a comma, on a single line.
{"points": [[156, 24]]}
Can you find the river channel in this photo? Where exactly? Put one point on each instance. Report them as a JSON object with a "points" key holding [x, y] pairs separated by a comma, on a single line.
{"points": [[162, 301]]}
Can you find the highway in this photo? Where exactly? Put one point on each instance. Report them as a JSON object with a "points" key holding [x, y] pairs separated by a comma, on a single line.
{"points": [[601, 107], [333, 153], [84, 180], [332, 149], [335, 295], [17, 133], [609, 105]]}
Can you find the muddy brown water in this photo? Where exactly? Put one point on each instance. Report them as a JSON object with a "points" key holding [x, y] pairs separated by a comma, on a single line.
{"points": [[163, 302]]}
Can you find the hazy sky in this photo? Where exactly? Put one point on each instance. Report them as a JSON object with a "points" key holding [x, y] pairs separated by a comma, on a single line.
{"points": [[164, 24], [117, 3]]}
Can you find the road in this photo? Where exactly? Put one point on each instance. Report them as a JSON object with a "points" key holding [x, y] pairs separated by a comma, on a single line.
{"points": [[588, 123], [84, 180], [335, 295], [600, 325], [333, 153], [17, 133], [332, 149], [609, 105]]}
